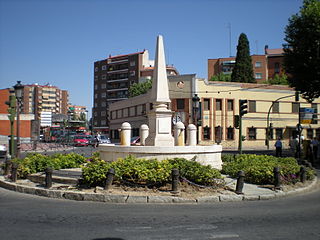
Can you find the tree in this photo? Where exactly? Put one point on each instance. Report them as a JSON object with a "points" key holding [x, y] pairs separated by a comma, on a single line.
{"points": [[301, 58], [139, 88], [243, 70], [221, 77], [278, 79]]}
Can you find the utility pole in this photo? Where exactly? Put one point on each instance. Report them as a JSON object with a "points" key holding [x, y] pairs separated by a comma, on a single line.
{"points": [[242, 111], [12, 113]]}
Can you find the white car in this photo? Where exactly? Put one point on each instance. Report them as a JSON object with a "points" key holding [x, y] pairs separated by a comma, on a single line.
{"points": [[3, 151]]}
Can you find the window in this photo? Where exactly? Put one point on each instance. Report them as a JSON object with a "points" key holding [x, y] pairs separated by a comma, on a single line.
{"points": [[279, 133], [104, 67], [310, 133], [295, 107], [119, 113], [132, 73], [275, 107], [230, 105], [230, 133], [218, 104], [318, 133], [95, 104], [96, 69], [103, 95], [103, 113], [132, 63], [252, 106], [258, 75], [180, 104], [258, 64], [104, 77], [252, 133], [103, 86], [206, 104], [103, 122], [96, 96], [206, 133], [218, 134], [103, 104], [277, 67], [95, 87], [95, 114], [315, 115]]}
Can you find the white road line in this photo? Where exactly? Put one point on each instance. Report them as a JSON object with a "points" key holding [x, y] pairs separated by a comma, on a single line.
{"points": [[220, 236]]}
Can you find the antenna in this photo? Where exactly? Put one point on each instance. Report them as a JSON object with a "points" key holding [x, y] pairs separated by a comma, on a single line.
{"points": [[229, 27]]}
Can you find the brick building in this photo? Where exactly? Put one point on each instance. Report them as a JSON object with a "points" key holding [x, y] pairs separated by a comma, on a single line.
{"points": [[264, 66], [113, 77]]}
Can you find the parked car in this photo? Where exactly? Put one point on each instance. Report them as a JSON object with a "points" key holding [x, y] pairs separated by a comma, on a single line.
{"points": [[135, 140], [3, 151], [104, 139], [80, 140]]}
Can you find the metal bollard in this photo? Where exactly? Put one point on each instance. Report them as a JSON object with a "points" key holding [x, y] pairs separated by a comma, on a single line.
{"points": [[7, 167], [14, 172], [48, 179], [277, 181], [303, 175], [240, 182], [109, 179], [175, 180]]}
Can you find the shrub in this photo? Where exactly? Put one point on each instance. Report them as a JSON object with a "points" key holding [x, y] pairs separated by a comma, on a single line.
{"points": [[36, 162], [259, 168], [150, 172]]}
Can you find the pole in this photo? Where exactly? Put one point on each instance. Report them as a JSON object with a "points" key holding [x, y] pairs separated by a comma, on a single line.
{"points": [[240, 133], [18, 129]]}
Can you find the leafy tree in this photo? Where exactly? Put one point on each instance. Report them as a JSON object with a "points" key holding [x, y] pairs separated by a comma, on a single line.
{"points": [[243, 70], [302, 51], [139, 88], [221, 77], [278, 79]]}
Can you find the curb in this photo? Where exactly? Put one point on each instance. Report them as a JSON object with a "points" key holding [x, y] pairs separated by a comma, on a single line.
{"points": [[109, 198]]}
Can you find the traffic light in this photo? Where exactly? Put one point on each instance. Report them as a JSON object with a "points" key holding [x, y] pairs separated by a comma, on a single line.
{"points": [[297, 96], [243, 107]]}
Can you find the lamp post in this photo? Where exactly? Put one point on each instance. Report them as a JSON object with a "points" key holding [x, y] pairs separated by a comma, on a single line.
{"points": [[18, 88], [195, 105]]}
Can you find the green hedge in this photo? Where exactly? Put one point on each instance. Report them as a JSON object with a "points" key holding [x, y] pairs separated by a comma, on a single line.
{"points": [[259, 168], [36, 162], [142, 171]]}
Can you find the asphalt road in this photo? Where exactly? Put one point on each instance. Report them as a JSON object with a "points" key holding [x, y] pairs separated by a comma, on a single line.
{"points": [[32, 217]]}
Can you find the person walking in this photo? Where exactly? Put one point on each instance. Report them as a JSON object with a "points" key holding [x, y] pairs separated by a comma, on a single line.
{"points": [[278, 146]]}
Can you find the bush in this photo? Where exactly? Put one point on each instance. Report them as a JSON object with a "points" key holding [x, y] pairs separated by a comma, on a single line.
{"points": [[259, 168], [149, 172], [36, 162]]}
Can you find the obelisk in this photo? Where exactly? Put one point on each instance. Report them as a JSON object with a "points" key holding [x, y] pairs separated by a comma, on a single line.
{"points": [[160, 116]]}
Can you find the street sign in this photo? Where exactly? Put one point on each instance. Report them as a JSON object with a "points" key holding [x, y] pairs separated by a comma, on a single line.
{"points": [[306, 115]]}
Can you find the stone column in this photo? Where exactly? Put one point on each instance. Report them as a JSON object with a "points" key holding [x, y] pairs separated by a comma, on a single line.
{"points": [[125, 134], [179, 134], [144, 133], [192, 135]]}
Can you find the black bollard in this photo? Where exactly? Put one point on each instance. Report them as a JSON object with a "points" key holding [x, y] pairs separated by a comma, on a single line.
{"points": [[109, 179], [277, 181], [48, 179], [303, 175], [7, 167], [240, 182], [14, 172], [175, 180]]}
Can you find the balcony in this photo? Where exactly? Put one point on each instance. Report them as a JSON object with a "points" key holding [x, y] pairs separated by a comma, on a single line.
{"points": [[117, 89], [118, 80]]}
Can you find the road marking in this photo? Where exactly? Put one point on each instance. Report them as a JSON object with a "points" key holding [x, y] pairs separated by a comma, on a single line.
{"points": [[219, 236]]}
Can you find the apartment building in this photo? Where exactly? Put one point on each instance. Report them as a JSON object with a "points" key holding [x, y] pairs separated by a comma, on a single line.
{"points": [[218, 108], [113, 77], [264, 66], [76, 110]]}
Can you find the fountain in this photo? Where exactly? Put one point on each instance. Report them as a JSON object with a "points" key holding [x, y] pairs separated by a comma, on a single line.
{"points": [[156, 138]]}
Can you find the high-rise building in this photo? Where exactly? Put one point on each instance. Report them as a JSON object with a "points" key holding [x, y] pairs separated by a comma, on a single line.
{"points": [[113, 77]]}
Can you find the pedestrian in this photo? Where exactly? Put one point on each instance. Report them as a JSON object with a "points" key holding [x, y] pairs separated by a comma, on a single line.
{"points": [[278, 146], [314, 144], [97, 140]]}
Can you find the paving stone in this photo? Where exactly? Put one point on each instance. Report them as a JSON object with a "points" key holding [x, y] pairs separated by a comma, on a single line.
{"points": [[95, 197], [41, 192], [137, 199], [73, 196], [159, 199], [251, 197], [209, 199], [29, 190], [231, 198], [267, 196], [183, 200], [55, 194], [115, 198]]}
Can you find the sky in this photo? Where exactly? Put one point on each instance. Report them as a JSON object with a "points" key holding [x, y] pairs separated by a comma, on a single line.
{"points": [[58, 41]]}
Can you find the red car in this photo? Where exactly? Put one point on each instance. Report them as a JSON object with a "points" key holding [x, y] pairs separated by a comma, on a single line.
{"points": [[80, 140]]}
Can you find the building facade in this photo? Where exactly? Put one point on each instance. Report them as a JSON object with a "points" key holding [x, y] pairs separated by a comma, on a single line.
{"points": [[219, 106], [113, 77], [264, 66]]}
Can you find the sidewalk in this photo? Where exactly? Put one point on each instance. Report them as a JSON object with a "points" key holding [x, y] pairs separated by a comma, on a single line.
{"points": [[63, 190]]}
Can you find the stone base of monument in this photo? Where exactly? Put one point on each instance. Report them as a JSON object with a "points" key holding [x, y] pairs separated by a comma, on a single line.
{"points": [[205, 155]]}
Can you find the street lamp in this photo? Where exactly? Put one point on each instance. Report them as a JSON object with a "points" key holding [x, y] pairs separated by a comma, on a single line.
{"points": [[18, 88], [195, 106]]}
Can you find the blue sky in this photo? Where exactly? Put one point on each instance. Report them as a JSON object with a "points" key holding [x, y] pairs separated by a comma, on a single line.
{"points": [[57, 41]]}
